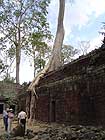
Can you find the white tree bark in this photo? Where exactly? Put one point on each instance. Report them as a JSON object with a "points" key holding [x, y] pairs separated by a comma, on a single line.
{"points": [[55, 60]]}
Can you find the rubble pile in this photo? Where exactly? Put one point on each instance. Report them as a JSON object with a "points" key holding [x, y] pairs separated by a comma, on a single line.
{"points": [[62, 132]]}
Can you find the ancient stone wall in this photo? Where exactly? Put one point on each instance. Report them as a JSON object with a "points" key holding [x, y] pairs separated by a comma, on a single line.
{"points": [[9, 90], [8, 93], [75, 93]]}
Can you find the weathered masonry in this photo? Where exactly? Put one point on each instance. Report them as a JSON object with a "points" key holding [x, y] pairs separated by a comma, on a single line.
{"points": [[2, 104], [8, 92], [75, 93]]}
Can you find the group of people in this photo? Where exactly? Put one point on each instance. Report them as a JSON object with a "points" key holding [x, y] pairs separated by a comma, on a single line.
{"points": [[8, 117]]}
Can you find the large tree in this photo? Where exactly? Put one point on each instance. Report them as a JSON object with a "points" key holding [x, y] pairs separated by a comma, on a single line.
{"points": [[18, 20], [54, 61], [38, 51], [2, 67], [7, 57], [68, 53], [84, 47]]}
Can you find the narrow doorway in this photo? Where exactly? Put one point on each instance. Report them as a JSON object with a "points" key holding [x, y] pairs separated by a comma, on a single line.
{"points": [[53, 111], [87, 110], [1, 108]]}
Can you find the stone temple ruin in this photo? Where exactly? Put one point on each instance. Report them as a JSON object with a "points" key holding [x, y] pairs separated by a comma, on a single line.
{"points": [[8, 92], [74, 94]]}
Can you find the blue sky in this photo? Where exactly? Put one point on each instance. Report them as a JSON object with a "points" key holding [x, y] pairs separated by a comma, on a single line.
{"points": [[82, 22]]}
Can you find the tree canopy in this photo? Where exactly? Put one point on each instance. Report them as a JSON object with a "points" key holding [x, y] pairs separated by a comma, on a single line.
{"points": [[19, 20]]}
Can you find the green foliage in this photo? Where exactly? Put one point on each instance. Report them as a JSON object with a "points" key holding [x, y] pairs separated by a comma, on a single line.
{"points": [[6, 61], [9, 79], [38, 49], [11, 52], [23, 24], [2, 66], [39, 63], [26, 16], [68, 53]]}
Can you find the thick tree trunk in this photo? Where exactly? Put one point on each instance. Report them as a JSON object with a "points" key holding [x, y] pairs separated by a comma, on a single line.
{"points": [[28, 99], [55, 60], [17, 64], [18, 53], [34, 64]]}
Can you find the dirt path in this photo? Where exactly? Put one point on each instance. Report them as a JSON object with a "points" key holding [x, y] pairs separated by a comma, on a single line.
{"points": [[1, 126]]}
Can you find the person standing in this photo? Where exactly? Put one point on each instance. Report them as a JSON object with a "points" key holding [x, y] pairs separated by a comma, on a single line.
{"points": [[22, 119], [5, 118], [10, 119]]}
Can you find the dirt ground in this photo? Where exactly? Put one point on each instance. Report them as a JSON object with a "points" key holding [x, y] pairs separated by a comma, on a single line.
{"points": [[36, 126], [1, 125], [58, 131]]}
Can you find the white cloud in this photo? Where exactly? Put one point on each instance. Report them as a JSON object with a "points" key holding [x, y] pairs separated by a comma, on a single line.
{"points": [[78, 14], [52, 15], [96, 42], [98, 6], [26, 72]]}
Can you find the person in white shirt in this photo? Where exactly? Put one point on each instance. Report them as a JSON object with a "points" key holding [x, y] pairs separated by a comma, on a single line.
{"points": [[22, 119]]}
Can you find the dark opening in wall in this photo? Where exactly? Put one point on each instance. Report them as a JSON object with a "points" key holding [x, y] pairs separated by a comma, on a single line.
{"points": [[53, 111], [1, 108], [87, 110]]}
